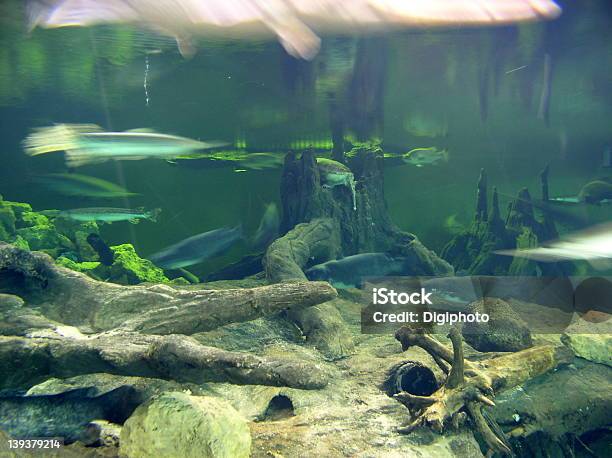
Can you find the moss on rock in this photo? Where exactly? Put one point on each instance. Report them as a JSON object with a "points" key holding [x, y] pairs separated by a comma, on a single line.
{"points": [[129, 268]]}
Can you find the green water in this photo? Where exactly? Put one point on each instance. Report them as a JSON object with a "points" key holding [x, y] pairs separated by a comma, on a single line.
{"points": [[253, 95]]}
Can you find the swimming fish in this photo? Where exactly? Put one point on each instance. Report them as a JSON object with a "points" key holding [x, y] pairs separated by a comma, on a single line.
{"points": [[593, 245], [422, 125], [595, 193], [268, 227], [349, 272], [261, 161], [420, 157], [198, 248], [106, 214], [88, 144], [73, 184], [292, 22]]}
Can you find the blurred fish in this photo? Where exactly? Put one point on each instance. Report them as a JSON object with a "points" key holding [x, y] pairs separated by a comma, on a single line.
{"points": [[544, 107], [89, 144], [72, 184], [104, 252], [106, 214], [349, 272], [262, 161], [268, 227], [423, 125], [198, 248], [596, 192], [420, 157], [593, 245], [291, 21]]}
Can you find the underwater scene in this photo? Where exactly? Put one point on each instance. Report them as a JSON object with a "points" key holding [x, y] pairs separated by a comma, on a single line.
{"points": [[286, 229]]}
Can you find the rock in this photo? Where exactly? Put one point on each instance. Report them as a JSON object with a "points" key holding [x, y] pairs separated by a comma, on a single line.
{"points": [[19, 209], [65, 414], [505, 330], [143, 388], [45, 238], [31, 219], [88, 267], [76, 450], [576, 398], [105, 433], [77, 231], [9, 301], [7, 222], [178, 425], [129, 269], [594, 347]]}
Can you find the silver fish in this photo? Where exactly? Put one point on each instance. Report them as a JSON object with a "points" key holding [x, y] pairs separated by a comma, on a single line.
{"points": [[593, 245], [420, 157], [106, 214], [198, 248], [73, 184], [89, 144], [268, 227], [292, 22]]}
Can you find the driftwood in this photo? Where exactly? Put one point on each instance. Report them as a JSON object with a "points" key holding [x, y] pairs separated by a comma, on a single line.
{"points": [[307, 243], [145, 327], [75, 299], [471, 385], [59, 351]]}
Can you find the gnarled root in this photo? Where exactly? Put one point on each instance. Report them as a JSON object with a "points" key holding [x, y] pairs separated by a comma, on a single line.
{"points": [[469, 385]]}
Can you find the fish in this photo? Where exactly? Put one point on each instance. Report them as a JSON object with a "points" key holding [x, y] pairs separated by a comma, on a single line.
{"points": [[596, 192], [106, 255], [261, 161], [296, 24], [73, 184], [106, 214], [422, 125], [334, 173], [420, 157], [593, 245], [197, 248], [349, 272], [545, 95], [268, 227], [86, 144]]}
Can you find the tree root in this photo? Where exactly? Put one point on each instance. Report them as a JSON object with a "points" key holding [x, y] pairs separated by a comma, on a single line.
{"points": [[470, 386]]}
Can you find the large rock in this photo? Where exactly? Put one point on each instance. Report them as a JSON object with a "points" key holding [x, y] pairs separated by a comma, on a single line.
{"points": [[505, 330], [183, 426], [594, 347]]}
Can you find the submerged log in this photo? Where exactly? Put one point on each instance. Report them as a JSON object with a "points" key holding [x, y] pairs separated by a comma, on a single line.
{"points": [[471, 385], [62, 352], [73, 298]]}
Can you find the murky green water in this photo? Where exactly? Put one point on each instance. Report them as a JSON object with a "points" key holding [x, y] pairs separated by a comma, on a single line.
{"points": [[511, 100], [475, 92]]}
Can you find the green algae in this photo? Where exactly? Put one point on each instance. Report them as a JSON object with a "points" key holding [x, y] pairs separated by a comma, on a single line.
{"points": [[129, 268]]}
